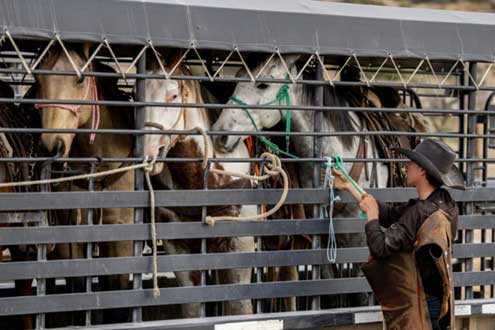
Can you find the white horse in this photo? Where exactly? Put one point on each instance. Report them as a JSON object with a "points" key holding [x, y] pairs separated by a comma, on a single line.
{"points": [[190, 175], [260, 93]]}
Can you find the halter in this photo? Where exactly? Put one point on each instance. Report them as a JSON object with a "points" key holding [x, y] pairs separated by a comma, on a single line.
{"points": [[282, 95], [76, 108], [160, 127]]}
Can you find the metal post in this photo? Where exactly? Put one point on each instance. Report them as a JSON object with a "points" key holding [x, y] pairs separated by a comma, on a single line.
{"points": [[470, 174], [89, 245], [42, 252], [318, 101], [259, 240], [137, 283], [204, 247]]}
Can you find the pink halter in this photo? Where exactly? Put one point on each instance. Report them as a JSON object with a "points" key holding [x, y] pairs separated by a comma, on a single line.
{"points": [[76, 108]]}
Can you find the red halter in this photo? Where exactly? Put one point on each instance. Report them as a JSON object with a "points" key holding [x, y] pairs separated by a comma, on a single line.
{"points": [[76, 108]]}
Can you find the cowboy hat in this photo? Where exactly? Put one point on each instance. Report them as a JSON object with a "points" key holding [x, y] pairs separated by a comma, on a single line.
{"points": [[437, 159]]}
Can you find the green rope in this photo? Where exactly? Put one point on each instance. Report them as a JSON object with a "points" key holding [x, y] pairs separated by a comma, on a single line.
{"points": [[282, 95], [338, 164]]}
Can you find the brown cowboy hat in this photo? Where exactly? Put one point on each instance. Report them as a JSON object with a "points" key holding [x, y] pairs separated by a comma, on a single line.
{"points": [[437, 159]]}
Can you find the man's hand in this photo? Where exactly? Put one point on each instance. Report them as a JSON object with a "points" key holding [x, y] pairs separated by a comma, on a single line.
{"points": [[369, 205], [340, 181]]}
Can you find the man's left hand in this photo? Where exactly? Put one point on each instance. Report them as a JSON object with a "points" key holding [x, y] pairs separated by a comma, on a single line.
{"points": [[369, 205]]}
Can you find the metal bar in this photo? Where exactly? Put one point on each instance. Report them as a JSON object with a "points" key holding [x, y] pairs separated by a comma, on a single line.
{"points": [[204, 247], [89, 246], [41, 251], [470, 174], [137, 283], [183, 198], [227, 160], [225, 106], [259, 240], [131, 76], [194, 262], [132, 298], [194, 230], [238, 133], [316, 239]]}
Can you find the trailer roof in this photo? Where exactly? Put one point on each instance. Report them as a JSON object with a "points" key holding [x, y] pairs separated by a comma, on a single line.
{"points": [[297, 26]]}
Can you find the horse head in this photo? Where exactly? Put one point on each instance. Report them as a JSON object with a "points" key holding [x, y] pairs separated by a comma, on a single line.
{"points": [[255, 93], [159, 118], [64, 87]]}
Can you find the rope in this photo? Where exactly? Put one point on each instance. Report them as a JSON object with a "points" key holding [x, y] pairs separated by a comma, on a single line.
{"points": [[272, 169], [201, 131], [283, 94], [339, 165], [147, 170], [332, 241], [76, 177]]}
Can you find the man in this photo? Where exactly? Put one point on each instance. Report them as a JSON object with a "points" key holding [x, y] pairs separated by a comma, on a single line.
{"points": [[410, 244]]}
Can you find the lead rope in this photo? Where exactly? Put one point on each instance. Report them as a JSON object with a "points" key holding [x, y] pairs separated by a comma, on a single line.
{"points": [[272, 169], [147, 170], [332, 241], [339, 165]]}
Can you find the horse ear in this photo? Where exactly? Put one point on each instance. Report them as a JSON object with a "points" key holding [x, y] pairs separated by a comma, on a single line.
{"points": [[86, 48], [291, 59], [174, 57]]}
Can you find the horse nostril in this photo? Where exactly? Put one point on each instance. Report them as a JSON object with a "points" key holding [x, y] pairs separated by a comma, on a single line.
{"points": [[222, 140], [60, 148], [56, 152]]}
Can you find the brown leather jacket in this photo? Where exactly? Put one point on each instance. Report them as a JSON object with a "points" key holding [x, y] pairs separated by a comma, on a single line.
{"points": [[400, 279]]}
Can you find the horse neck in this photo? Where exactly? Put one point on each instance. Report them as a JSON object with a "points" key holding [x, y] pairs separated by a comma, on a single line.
{"points": [[304, 121], [191, 175]]}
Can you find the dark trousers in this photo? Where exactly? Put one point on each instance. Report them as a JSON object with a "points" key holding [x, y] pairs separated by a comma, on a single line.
{"points": [[434, 305]]}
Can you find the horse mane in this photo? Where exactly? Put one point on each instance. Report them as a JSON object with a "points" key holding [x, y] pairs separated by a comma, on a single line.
{"points": [[195, 87], [333, 97]]}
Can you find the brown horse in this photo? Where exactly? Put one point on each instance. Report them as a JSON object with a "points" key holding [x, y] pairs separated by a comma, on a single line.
{"points": [[56, 116]]}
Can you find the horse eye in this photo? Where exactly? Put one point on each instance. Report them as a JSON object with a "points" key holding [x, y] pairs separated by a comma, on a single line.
{"points": [[175, 97], [262, 86]]}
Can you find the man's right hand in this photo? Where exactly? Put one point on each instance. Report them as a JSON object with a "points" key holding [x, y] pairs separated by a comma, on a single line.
{"points": [[340, 181]]}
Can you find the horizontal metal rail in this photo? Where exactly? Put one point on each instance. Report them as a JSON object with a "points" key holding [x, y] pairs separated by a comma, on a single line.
{"points": [[240, 106], [197, 230], [130, 76], [182, 295], [184, 198], [211, 261]]}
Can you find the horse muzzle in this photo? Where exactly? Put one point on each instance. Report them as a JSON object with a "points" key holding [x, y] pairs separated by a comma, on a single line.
{"points": [[53, 147], [226, 143]]}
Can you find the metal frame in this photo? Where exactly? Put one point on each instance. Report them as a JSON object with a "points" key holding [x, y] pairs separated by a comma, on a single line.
{"points": [[315, 287]]}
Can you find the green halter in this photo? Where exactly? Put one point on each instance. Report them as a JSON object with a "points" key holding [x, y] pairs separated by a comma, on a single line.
{"points": [[282, 95]]}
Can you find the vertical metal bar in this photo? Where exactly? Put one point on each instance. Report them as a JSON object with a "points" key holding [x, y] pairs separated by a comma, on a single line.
{"points": [[204, 247], [462, 106], [259, 240], [42, 251], [471, 167], [461, 141], [89, 245], [137, 282], [318, 101]]}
